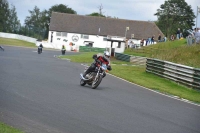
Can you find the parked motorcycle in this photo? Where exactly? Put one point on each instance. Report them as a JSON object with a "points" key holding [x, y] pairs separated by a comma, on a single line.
{"points": [[94, 78], [63, 51]]}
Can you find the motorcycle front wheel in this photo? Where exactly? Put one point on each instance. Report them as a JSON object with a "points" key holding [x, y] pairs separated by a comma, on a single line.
{"points": [[96, 83], [82, 82]]}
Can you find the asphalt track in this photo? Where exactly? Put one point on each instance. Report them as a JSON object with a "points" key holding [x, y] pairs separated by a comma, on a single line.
{"points": [[41, 94]]}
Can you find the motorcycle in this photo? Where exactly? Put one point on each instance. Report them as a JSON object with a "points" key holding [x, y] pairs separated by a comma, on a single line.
{"points": [[39, 50], [94, 78], [1, 48], [63, 51]]}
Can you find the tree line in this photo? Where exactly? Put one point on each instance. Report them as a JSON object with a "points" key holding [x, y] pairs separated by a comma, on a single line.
{"points": [[173, 14]]}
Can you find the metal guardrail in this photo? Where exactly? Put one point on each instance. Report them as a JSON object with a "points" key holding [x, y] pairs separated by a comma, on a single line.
{"points": [[90, 49], [188, 76], [123, 57]]}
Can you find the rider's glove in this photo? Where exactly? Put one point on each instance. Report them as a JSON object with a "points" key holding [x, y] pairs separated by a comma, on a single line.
{"points": [[94, 56], [109, 68]]}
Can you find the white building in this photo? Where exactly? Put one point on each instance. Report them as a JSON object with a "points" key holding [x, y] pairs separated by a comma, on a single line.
{"points": [[100, 32]]}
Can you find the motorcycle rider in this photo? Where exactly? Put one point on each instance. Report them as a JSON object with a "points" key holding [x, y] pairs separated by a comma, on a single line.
{"points": [[1, 48], [40, 46], [103, 58], [63, 49]]}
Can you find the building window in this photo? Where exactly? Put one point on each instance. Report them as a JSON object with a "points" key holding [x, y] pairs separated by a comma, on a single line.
{"points": [[58, 33], [64, 34], [119, 45], [64, 40], [84, 36], [105, 39]]}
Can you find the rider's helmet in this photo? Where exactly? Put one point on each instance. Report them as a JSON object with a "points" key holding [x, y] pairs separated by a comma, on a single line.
{"points": [[106, 55]]}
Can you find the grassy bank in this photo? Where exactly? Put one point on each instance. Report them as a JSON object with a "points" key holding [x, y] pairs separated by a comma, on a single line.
{"points": [[8, 129], [174, 51], [15, 42]]}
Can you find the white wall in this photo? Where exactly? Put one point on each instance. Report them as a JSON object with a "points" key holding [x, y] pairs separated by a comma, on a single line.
{"points": [[98, 40], [19, 37]]}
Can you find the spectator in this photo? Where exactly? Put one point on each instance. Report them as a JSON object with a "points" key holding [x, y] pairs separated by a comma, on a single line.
{"points": [[172, 38], [129, 43], [159, 38], [126, 44], [132, 45], [181, 35], [197, 35], [178, 34], [142, 42], [147, 41], [152, 39], [165, 39]]}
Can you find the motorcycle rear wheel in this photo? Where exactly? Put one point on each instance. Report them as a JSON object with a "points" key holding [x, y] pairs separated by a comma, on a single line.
{"points": [[82, 82]]}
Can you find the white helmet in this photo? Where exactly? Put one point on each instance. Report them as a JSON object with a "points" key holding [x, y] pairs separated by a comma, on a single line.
{"points": [[106, 55]]}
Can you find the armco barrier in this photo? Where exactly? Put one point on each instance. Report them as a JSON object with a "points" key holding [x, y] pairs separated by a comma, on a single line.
{"points": [[137, 60], [90, 49], [123, 57], [188, 76]]}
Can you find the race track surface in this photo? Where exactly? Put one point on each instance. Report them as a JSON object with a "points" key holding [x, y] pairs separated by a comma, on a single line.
{"points": [[41, 94]]}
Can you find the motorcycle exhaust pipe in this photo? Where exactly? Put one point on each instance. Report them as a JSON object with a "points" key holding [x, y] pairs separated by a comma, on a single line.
{"points": [[81, 76]]}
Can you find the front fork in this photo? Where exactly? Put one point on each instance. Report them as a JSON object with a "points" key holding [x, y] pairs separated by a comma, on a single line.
{"points": [[97, 74]]}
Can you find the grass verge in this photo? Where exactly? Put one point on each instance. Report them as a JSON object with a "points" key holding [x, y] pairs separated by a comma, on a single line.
{"points": [[174, 51], [138, 75], [15, 42], [8, 129]]}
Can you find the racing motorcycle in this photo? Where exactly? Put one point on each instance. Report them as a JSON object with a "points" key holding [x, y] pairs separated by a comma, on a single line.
{"points": [[94, 78], [1, 48], [63, 51], [39, 50]]}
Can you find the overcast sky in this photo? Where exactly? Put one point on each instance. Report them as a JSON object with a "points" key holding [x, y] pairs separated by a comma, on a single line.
{"points": [[123, 9]]}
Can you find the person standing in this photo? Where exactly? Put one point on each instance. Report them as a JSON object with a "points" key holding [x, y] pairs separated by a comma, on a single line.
{"points": [[147, 41], [172, 37], [152, 39], [178, 34], [159, 38]]}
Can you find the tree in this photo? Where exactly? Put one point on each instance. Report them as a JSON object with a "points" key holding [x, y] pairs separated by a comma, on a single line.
{"points": [[8, 18], [96, 14], [56, 8], [38, 22], [174, 14], [34, 23], [13, 22], [100, 14], [4, 13], [62, 9]]}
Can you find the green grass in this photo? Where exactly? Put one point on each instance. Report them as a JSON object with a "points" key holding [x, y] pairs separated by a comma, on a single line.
{"points": [[15, 42], [174, 51], [138, 75], [8, 129]]}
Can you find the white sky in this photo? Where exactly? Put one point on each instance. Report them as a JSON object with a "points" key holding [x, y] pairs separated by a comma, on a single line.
{"points": [[123, 9]]}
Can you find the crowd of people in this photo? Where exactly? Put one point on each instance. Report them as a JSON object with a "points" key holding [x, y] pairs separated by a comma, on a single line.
{"points": [[195, 34]]}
